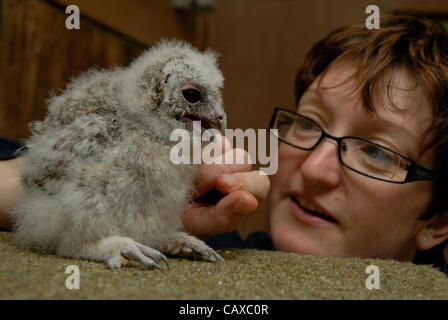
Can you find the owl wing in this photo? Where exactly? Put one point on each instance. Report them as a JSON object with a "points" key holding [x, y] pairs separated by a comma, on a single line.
{"points": [[82, 121], [80, 126]]}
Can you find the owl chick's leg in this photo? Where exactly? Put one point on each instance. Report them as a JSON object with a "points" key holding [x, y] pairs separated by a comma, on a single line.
{"points": [[186, 246], [116, 251]]}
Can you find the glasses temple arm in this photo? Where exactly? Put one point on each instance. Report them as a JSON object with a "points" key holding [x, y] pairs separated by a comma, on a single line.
{"points": [[417, 172]]}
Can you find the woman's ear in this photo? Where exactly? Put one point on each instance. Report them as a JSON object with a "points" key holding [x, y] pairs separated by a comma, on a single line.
{"points": [[433, 233]]}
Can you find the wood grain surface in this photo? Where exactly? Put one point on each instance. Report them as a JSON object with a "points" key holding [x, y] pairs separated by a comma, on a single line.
{"points": [[39, 54]]}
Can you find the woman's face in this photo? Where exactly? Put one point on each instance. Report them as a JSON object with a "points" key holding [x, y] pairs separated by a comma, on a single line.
{"points": [[369, 218]]}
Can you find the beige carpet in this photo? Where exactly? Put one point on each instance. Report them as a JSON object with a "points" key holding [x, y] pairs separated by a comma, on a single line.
{"points": [[246, 274]]}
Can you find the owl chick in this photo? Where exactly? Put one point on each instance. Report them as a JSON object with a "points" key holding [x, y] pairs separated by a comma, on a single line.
{"points": [[98, 179]]}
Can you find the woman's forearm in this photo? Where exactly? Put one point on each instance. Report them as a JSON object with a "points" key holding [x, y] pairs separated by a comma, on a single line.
{"points": [[10, 189]]}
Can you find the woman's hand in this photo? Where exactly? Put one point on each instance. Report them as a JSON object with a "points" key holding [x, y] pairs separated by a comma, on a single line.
{"points": [[226, 195]]}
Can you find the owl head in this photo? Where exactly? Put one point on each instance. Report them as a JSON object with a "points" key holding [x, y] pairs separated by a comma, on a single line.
{"points": [[173, 79]]}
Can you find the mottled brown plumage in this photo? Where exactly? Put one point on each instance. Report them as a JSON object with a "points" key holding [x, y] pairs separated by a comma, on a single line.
{"points": [[98, 180]]}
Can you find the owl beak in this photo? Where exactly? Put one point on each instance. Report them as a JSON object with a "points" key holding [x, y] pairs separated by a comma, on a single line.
{"points": [[208, 121], [221, 121], [218, 122]]}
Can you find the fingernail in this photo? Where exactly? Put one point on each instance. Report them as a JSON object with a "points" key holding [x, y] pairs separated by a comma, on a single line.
{"points": [[228, 180], [241, 207]]}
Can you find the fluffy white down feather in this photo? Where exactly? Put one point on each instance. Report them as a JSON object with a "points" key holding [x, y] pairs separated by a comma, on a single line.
{"points": [[98, 180]]}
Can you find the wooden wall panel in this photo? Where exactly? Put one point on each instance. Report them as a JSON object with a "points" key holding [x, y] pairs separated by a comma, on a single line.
{"points": [[438, 7], [39, 54], [145, 21]]}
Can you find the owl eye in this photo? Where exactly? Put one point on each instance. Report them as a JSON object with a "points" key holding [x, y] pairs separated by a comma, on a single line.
{"points": [[191, 95]]}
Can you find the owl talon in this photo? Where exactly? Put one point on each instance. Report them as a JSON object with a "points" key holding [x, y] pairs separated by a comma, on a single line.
{"points": [[116, 251], [153, 254], [184, 245], [137, 255]]}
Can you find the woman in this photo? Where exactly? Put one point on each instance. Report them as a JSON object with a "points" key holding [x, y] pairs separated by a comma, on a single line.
{"points": [[363, 160]]}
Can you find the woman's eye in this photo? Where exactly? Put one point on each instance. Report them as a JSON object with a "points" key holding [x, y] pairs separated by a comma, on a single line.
{"points": [[191, 95], [377, 153], [304, 124]]}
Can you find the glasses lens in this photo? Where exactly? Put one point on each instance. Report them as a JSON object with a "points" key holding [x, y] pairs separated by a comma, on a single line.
{"points": [[373, 160], [297, 130]]}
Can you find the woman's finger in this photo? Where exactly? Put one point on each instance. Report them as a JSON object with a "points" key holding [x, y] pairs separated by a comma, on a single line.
{"points": [[208, 172], [253, 182], [225, 216]]}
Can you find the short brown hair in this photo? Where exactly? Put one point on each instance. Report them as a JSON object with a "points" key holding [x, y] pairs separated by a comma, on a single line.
{"points": [[413, 42]]}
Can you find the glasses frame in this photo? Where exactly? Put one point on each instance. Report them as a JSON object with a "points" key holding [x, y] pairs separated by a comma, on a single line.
{"points": [[416, 172]]}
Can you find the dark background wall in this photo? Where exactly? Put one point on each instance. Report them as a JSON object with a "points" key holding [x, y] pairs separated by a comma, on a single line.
{"points": [[262, 43]]}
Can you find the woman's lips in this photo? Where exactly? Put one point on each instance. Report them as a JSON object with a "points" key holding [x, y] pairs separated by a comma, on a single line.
{"points": [[307, 216]]}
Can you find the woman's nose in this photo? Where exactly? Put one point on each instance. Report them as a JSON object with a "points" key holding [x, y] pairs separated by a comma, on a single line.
{"points": [[322, 166]]}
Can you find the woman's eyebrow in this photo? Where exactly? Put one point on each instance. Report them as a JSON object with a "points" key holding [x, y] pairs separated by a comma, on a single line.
{"points": [[393, 126], [406, 137], [383, 124], [312, 94], [315, 96], [315, 92]]}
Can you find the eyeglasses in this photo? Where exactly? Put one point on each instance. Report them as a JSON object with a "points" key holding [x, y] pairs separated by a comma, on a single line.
{"points": [[360, 155]]}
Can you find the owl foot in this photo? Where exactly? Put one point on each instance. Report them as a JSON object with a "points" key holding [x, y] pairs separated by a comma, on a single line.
{"points": [[117, 251], [186, 246], [141, 253]]}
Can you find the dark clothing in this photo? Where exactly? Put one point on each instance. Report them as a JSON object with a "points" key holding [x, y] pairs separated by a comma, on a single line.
{"points": [[261, 240], [256, 240], [10, 149], [433, 256]]}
